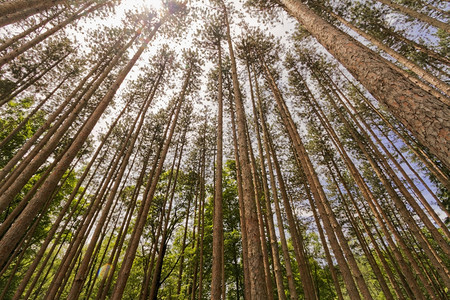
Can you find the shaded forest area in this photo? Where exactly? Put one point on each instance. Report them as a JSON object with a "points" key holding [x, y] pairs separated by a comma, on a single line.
{"points": [[313, 165]]}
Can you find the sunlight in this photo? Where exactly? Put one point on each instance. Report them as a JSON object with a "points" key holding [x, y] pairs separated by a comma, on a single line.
{"points": [[155, 4]]}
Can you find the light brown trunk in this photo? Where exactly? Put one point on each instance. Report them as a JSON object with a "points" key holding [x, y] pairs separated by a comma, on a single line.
{"points": [[241, 206], [80, 277], [217, 281], [410, 142], [374, 206], [341, 250], [434, 257], [258, 288], [257, 185], [268, 207]]}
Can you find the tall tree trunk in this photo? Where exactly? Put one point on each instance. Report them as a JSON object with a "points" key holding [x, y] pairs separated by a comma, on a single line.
{"points": [[268, 206], [420, 112], [82, 272], [399, 183], [302, 260], [217, 281], [156, 278], [434, 257], [284, 247], [374, 205], [341, 249], [52, 231], [15, 180], [258, 289], [243, 224], [408, 140], [258, 194]]}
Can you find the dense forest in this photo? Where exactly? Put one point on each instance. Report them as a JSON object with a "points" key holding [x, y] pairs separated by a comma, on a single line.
{"points": [[224, 149]]}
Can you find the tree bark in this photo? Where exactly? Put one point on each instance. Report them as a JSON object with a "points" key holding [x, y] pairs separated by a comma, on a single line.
{"points": [[217, 281], [258, 289], [267, 202]]}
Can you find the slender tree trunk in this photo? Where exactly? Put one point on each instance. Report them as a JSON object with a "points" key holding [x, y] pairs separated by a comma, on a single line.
{"points": [[82, 272], [419, 47], [258, 289], [399, 183], [374, 205], [302, 260], [434, 257], [332, 227], [156, 278], [258, 195], [410, 142], [243, 223], [284, 247], [257, 185], [268, 211], [216, 278], [180, 273], [13, 182], [62, 213]]}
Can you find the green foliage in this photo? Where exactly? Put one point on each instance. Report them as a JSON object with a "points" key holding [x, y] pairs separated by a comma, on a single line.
{"points": [[11, 116]]}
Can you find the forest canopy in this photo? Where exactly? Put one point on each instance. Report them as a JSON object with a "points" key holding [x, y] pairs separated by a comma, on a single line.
{"points": [[224, 149]]}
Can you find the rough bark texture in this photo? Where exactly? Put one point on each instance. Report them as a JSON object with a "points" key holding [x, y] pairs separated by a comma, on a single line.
{"points": [[258, 289], [217, 280], [421, 113]]}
